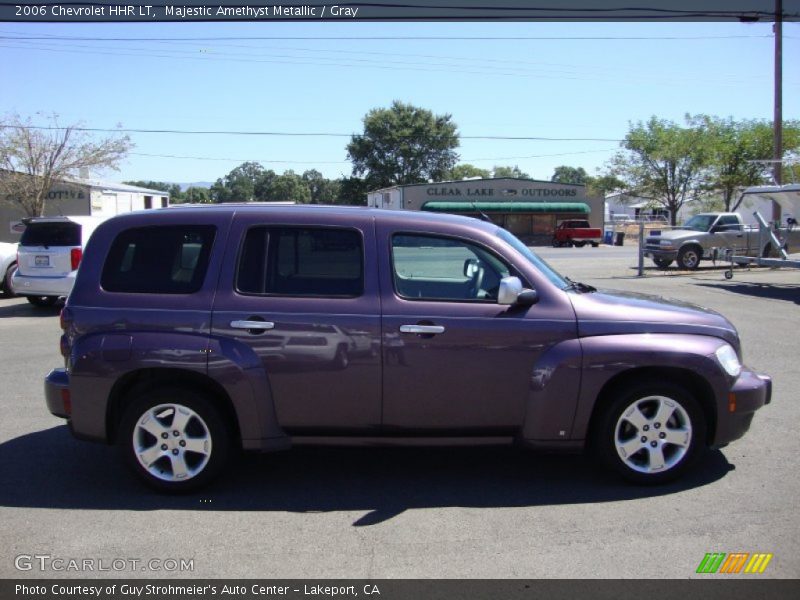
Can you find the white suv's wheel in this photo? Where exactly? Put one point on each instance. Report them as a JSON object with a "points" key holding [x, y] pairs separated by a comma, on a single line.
{"points": [[651, 433], [174, 439]]}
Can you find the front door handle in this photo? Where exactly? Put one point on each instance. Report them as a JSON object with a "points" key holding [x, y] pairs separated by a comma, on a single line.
{"points": [[253, 325], [422, 329]]}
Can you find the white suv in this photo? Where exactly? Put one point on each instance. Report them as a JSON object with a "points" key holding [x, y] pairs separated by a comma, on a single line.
{"points": [[49, 253], [8, 264]]}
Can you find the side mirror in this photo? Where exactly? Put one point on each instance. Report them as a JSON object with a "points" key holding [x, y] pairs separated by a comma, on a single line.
{"points": [[470, 267], [511, 293]]}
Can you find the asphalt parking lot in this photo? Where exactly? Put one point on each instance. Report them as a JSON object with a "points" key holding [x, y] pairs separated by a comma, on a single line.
{"points": [[397, 513]]}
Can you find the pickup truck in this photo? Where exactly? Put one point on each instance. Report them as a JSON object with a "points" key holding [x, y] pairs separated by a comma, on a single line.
{"points": [[705, 235], [576, 233]]}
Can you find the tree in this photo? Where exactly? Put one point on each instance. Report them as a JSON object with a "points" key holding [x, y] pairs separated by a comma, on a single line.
{"points": [[603, 185], [565, 174], [513, 172], [288, 187], [468, 171], [352, 191], [197, 195], [32, 159], [239, 185], [403, 144], [664, 161], [322, 190], [733, 146]]}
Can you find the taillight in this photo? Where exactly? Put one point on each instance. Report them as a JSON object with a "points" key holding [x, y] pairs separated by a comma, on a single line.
{"points": [[66, 400], [65, 319], [75, 257]]}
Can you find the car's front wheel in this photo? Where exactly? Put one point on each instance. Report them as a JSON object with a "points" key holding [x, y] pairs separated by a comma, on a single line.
{"points": [[175, 440], [662, 263], [689, 257], [650, 433]]}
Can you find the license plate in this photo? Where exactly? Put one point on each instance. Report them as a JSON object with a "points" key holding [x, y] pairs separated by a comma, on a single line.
{"points": [[41, 261]]}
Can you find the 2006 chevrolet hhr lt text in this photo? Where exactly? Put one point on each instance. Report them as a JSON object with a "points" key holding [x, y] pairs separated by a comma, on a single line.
{"points": [[194, 332]]}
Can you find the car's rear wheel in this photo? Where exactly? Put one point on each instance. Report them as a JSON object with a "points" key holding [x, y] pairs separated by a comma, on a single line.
{"points": [[650, 433], [8, 288], [43, 301], [175, 440], [579, 244]]}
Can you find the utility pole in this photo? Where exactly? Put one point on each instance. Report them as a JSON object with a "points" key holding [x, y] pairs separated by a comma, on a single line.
{"points": [[777, 124]]}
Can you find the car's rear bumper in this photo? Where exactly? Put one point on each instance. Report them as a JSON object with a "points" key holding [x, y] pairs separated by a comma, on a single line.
{"points": [[750, 392], [56, 393], [26, 285]]}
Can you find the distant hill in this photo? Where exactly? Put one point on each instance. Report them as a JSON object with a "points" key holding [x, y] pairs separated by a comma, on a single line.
{"points": [[197, 184]]}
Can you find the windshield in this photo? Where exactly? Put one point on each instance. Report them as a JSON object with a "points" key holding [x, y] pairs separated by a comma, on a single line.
{"points": [[532, 258], [700, 222]]}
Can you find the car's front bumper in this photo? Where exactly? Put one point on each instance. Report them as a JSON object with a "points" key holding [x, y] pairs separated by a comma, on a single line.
{"points": [[749, 392], [661, 254]]}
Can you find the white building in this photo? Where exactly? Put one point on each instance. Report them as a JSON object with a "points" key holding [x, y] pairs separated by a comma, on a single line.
{"points": [[640, 208], [528, 208], [75, 196]]}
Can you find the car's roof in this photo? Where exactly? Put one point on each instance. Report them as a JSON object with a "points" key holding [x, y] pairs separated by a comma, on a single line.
{"points": [[339, 213]]}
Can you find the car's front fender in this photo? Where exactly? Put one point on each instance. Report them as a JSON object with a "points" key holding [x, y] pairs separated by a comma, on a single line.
{"points": [[610, 356]]}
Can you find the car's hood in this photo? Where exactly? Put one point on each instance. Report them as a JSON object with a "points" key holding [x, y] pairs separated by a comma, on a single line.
{"points": [[676, 234], [612, 313]]}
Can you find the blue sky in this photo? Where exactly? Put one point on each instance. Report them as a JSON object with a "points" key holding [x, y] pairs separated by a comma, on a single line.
{"points": [[552, 85]]}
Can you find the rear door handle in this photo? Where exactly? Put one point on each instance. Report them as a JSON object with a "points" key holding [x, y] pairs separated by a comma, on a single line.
{"points": [[253, 325], [423, 329]]}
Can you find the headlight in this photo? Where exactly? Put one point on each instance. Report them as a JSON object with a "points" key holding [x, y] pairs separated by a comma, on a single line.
{"points": [[726, 356]]}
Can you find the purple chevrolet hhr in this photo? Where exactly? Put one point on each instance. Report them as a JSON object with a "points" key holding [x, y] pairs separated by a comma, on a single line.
{"points": [[193, 332]]}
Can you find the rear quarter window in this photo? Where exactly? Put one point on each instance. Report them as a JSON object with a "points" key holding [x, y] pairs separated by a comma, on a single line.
{"points": [[51, 234], [158, 260]]}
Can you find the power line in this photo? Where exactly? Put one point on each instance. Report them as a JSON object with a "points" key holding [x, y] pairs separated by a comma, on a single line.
{"points": [[339, 162], [297, 133], [507, 68], [383, 38]]}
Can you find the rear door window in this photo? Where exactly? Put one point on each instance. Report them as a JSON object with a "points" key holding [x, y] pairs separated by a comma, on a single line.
{"points": [[301, 261], [48, 234], [159, 260]]}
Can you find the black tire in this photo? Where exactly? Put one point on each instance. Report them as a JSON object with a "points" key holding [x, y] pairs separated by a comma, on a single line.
{"points": [[8, 288], [689, 257], [556, 243], [342, 358], [686, 425], [595, 244], [769, 251], [204, 426], [43, 301], [662, 263], [579, 244]]}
